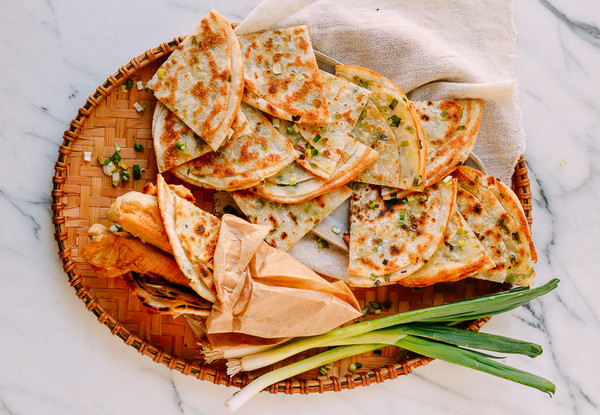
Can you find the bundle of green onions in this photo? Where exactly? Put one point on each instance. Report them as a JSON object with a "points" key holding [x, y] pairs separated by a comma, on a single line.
{"points": [[429, 332]]}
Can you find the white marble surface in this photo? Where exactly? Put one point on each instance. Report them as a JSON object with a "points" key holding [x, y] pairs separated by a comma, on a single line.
{"points": [[56, 359]]}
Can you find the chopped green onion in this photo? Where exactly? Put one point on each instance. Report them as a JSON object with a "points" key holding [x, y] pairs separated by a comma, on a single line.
{"points": [[116, 157], [117, 147], [314, 152], [123, 88], [138, 147], [336, 229], [423, 198], [129, 84], [354, 366], [366, 310], [87, 155], [394, 121], [109, 168], [373, 205], [322, 244], [404, 143], [317, 138], [99, 159], [388, 303], [125, 175], [140, 85], [410, 129], [461, 128], [375, 305], [289, 130], [461, 243], [562, 163], [160, 73], [116, 179], [404, 200], [402, 217], [292, 180], [137, 172], [115, 227], [393, 104], [181, 145]]}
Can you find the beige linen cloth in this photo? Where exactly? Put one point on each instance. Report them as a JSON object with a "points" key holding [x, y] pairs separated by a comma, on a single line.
{"points": [[433, 50]]}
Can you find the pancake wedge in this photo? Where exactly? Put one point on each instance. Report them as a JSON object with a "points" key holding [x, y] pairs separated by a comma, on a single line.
{"points": [[243, 162], [392, 239], [355, 158], [504, 238], [451, 128], [324, 145], [289, 223], [193, 235], [202, 81], [372, 130], [280, 68], [460, 255], [401, 118]]}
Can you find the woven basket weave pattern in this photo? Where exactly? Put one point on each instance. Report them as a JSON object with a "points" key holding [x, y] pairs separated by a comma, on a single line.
{"points": [[82, 194]]}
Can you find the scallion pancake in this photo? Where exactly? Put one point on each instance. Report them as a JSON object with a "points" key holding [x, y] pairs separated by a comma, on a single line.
{"points": [[460, 255], [346, 102], [504, 239], [372, 130], [193, 235], [451, 128], [398, 236], [202, 81], [402, 119], [355, 158], [174, 142], [243, 162], [280, 68], [289, 223]]}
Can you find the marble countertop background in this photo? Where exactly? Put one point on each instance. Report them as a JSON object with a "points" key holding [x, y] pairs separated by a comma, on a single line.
{"points": [[56, 359]]}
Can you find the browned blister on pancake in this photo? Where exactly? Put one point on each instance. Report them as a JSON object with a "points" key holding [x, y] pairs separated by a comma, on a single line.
{"points": [[280, 68]]}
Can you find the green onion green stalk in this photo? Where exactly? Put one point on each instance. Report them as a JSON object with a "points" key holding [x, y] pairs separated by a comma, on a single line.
{"points": [[427, 331]]}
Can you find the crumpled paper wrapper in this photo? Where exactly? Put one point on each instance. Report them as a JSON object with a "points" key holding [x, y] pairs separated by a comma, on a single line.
{"points": [[264, 292]]}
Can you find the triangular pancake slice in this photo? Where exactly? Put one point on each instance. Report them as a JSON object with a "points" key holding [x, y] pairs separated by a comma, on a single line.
{"points": [[401, 117], [193, 235], [346, 102], [372, 130], [355, 158], [459, 256], [243, 162], [391, 239], [174, 142], [451, 128], [202, 81], [503, 238], [280, 68], [289, 223]]}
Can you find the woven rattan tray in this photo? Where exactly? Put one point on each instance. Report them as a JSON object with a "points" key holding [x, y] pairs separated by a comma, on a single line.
{"points": [[82, 194]]}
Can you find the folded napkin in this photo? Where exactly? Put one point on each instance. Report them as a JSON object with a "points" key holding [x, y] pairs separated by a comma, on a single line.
{"points": [[432, 50]]}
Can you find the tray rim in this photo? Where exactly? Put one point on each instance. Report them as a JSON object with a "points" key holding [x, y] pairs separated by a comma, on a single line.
{"points": [[294, 385]]}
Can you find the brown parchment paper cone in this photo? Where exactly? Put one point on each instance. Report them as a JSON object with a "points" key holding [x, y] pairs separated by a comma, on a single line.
{"points": [[264, 292]]}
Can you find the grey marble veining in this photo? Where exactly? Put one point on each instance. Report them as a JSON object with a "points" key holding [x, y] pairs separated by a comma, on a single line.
{"points": [[56, 359]]}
